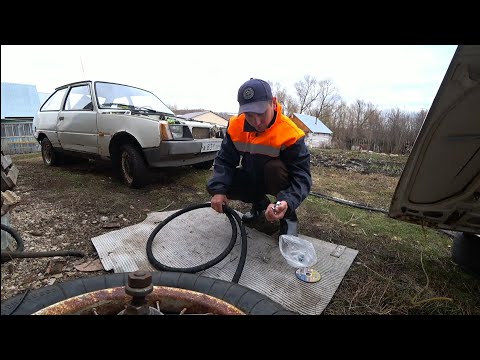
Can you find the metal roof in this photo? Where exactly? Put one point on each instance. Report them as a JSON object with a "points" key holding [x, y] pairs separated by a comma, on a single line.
{"points": [[194, 114], [314, 124], [19, 100]]}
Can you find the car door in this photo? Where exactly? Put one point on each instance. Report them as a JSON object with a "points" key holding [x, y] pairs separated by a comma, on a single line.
{"points": [[46, 119], [77, 122]]}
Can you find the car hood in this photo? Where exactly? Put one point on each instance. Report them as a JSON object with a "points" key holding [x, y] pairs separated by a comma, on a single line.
{"points": [[440, 184]]}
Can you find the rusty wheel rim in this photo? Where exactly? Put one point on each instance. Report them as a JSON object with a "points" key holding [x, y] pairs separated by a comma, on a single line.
{"points": [[168, 300], [47, 153]]}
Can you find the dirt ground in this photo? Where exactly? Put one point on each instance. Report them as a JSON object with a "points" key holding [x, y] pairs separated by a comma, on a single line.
{"points": [[62, 208]]}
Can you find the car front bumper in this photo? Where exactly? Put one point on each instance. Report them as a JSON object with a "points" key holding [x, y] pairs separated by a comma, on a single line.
{"points": [[178, 153]]}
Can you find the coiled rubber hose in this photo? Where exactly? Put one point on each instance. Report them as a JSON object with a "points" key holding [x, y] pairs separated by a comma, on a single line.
{"points": [[234, 220], [15, 236]]}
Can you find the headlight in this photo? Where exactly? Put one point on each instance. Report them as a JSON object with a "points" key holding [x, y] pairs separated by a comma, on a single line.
{"points": [[177, 131], [174, 132]]}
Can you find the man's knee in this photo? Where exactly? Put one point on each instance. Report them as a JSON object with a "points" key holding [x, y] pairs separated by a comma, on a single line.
{"points": [[276, 176]]}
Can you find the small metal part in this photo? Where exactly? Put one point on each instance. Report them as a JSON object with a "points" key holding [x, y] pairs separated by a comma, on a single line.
{"points": [[275, 207], [139, 286], [308, 275], [338, 251]]}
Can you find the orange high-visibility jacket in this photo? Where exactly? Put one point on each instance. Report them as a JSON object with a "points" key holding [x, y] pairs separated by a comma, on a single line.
{"points": [[244, 146]]}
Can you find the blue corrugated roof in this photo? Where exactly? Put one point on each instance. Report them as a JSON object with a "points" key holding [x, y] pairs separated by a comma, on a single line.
{"points": [[19, 100], [314, 124]]}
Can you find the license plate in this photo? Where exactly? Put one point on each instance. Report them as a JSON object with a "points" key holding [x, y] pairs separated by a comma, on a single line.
{"points": [[211, 146]]}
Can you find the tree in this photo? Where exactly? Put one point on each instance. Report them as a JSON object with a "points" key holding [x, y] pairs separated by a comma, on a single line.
{"points": [[288, 103], [326, 100], [307, 92], [174, 108], [390, 130]]}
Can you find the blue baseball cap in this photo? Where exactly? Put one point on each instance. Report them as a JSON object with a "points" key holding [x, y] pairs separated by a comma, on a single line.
{"points": [[254, 96]]}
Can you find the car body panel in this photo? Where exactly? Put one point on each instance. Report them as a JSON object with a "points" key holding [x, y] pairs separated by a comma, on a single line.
{"points": [[77, 131], [440, 184], [111, 123], [48, 127]]}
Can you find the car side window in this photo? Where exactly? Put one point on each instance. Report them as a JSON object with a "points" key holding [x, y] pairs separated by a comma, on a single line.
{"points": [[54, 102], [79, 98]]}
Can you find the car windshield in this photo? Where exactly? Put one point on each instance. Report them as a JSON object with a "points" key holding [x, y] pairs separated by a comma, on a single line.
{"points": [[118, 96]]}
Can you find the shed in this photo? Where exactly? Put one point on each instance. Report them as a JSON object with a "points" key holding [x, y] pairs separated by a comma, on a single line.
{"points": [[20, 103], [316, 133]]}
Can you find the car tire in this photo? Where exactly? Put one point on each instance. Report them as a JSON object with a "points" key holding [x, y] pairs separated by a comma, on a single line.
{"points": [[249, 301], [466, 252], [132, 166], [49, 155], [203, 165]]}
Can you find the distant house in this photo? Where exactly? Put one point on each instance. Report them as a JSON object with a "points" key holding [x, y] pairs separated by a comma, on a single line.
{"points": [[204, 116], [316, 133], [20, 103]]}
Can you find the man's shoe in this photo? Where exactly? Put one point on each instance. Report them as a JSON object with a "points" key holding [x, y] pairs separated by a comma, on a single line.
{"points": [[289, 225], [256, 211]]}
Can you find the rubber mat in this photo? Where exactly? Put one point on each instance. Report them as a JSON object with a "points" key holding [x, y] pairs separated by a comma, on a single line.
{"points": [[198, 236]]}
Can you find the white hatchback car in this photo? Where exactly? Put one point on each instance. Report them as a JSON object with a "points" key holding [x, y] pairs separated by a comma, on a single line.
{"points": [[127, 125]]}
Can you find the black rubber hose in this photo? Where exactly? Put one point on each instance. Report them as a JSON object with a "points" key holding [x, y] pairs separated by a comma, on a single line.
{"points": [[8, 255], [347, 202], [15, 235], [234, 220], [19, 253]]}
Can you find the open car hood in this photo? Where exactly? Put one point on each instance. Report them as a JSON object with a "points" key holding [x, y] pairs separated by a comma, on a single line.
{"points": [[440, 184]]}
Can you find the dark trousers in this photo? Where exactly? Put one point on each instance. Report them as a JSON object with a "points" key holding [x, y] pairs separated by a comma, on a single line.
{"points": [[250, 189]]}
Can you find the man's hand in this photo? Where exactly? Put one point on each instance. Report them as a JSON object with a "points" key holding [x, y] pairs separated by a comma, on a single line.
{"points": [[218, 200], [276, 212]]}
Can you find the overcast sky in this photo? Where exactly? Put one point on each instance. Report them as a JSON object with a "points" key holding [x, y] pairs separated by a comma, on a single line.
{"points": [[208, 76]]}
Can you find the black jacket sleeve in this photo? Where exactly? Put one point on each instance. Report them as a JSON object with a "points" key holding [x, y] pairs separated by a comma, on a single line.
{"points": [[225, 162], [297, 161]]}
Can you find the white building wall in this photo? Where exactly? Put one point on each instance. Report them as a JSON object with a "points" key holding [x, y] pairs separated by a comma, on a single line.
{"points": [[212, 119], [318, 140]]}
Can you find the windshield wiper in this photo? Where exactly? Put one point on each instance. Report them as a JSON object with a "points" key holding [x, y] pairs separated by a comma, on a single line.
{"points": [[130, 107], [133, 107], [144, 108]]}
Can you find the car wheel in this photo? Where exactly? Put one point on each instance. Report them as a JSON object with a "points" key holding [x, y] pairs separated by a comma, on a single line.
{"points": [[48, 153], [203, 165], [247, 300], [132, 166]]}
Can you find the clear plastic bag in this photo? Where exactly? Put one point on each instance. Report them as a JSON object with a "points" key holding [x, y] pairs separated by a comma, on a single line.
{"points": [[297, 251]]}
